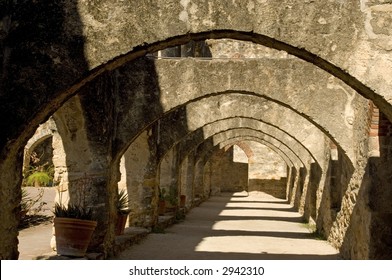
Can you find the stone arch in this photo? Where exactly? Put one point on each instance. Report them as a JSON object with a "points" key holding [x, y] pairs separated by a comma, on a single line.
{"points": [[274, 144], [338, 129], [179, 135], [245, 148], [279, 152], [44, 132], [298, 177], [274, 131], [206, 151]]}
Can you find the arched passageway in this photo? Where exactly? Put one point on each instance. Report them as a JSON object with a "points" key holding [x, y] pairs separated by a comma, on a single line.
{"points": [[119, 98]]}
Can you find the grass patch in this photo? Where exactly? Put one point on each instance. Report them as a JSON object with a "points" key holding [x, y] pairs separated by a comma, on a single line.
{"points": [[313, 231]]}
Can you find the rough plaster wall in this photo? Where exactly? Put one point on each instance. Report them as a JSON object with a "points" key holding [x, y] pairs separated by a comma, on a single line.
{"points": [[226, 175], [267, 171], [234, 49], [265, 163]]}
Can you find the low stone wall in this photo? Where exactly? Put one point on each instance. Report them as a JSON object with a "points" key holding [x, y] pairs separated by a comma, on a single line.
{"points": [[276, 188]]}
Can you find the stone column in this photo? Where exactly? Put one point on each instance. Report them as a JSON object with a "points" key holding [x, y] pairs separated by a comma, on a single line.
{"points": [[10, 197]]}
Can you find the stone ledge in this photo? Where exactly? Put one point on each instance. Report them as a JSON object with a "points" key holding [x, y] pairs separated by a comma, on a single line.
{"points": [[131, 236]]}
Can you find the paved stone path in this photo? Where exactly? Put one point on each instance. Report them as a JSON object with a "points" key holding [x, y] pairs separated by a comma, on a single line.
{"points": [[35, 241], [254, 226]]}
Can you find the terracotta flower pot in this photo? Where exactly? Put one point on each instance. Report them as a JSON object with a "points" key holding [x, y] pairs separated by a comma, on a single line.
{"points": [[73, 236], [162, 207], [182, 201], [120, 225]]}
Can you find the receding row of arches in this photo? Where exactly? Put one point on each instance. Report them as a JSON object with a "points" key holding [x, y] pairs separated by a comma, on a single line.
{"points": [[163, 141], [317, 121]]}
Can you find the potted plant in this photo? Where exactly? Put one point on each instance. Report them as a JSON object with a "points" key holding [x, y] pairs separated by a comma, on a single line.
{"points": [[162, 202], [38, 179], [39, 176], [74, 226], [182, 200], [122, 211], [172, 200]]}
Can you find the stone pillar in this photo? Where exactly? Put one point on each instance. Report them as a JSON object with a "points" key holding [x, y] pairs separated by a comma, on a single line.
{"points": [[207, 178], [169, 175], [151, 179], [199, 179], [10, 197], [187, 179], [303, 189], [299, 183], [310, 210], [292, 174], [138, 178]]}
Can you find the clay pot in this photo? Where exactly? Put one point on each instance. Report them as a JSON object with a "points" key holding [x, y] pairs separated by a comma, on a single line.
{"points": [[120, 225], [182, 201], [73, 236], [161, 207]]}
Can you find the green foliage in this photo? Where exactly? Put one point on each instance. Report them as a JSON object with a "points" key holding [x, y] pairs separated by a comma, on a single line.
{"points": [[72, 211], [40, 177], [162, 194], [158, 229], [78, 209], [27, 203], [37, 172], [180, 216], [123, 202], [172, 197], [316, 234]]}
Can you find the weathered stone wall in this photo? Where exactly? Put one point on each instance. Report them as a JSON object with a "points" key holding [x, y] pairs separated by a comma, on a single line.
{"points": [[233, 49], [186, 181], [135, 167], [226, 175], [350, 229], [48, 52], [267, 171], [167, 174]]}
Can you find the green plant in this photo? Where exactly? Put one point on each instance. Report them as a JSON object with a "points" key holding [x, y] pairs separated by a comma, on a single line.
{"points": [[72, 211], [313, 231], [77, 210], [37, 173], [162, 194], [180, 216], [123, 202], [41, 178], [172, 197], [158, 229], [27, 202]]}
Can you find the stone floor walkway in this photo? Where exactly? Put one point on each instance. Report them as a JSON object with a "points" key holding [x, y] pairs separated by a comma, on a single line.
{"points": [[240, 226]]}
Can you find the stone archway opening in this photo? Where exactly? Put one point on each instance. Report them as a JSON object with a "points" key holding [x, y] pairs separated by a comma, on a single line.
{"points": [[306, 56]]}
